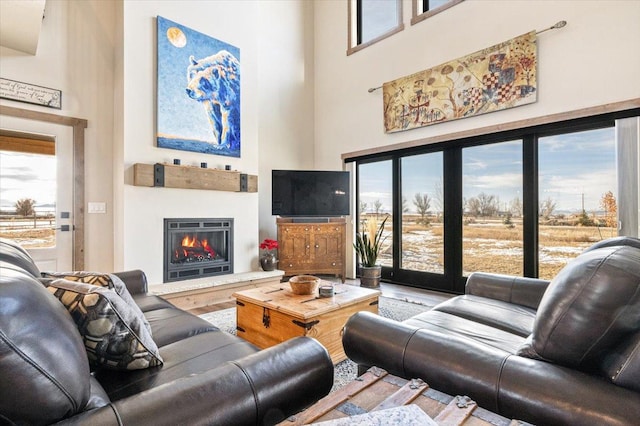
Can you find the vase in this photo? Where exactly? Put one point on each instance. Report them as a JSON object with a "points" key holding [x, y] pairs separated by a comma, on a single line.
{"points": [[268, 262], [370, 276]]}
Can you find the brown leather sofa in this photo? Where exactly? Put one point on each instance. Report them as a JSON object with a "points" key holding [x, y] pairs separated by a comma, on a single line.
{"points": [[565, 352], [207, 376]]}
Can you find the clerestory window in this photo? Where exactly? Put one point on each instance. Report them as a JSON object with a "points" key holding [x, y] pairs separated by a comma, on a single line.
{"points": [[422, 9], [371, 21]]}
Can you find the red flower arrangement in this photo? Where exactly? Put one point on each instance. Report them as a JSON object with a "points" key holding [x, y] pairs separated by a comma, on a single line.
{"points": [[268, 244]]}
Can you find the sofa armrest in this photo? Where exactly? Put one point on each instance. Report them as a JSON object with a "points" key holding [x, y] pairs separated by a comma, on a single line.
{"points": [[263, 388], [135, 280], [547, 393], [519, 290], [371, 340]]}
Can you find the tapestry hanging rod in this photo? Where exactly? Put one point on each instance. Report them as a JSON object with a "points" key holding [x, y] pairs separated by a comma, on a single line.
{"points": [[555, 26]]}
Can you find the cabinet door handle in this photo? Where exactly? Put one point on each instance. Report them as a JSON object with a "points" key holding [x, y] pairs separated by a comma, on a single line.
{"points": [[317, 246], [333, 264], [306, 229], [291, 265]]}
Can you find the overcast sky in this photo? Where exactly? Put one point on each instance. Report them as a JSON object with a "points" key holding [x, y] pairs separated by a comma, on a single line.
{"points": [[569, 165], [27, 176]]}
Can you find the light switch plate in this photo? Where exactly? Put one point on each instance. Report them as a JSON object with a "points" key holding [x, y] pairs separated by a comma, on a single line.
{"points": [[97, 208]]}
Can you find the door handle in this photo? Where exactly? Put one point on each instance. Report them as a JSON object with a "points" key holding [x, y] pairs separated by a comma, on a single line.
{"points": [[64, 228]]}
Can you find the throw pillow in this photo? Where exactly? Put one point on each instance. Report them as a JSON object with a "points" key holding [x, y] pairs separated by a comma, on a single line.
{"points": [[103, 280], [114, 335]]}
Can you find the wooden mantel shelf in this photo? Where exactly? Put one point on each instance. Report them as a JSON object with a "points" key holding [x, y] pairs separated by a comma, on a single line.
{"points": [[191, 177]]}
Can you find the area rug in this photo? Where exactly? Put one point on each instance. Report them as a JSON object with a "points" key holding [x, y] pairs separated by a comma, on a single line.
{"points": [[346, 370]]}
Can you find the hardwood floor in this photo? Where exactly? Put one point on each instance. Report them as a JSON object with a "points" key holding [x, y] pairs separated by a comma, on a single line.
{"points": [[394, 291]]}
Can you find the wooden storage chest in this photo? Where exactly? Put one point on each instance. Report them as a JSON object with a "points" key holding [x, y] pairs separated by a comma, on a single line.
{"points": [[267, 316]]}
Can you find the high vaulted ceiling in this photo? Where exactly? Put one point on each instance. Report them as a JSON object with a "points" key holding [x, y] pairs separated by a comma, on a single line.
{"points": [[20, 23]]}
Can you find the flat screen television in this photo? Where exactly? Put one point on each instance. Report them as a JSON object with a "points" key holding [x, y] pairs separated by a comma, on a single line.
{"points": [[309, 193]]}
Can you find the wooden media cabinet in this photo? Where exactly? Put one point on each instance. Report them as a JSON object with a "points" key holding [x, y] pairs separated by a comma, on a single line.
{"points": [[312, 247]]}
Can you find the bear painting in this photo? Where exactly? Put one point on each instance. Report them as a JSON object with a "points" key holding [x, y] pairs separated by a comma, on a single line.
{"points": [[202, 112], [215, 83]]}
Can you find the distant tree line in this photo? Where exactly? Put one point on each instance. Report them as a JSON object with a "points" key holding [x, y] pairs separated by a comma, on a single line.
{"points": [[488, 205]]}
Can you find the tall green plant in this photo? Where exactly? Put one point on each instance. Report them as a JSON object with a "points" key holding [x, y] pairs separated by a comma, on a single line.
{"points": [[367, 244]]}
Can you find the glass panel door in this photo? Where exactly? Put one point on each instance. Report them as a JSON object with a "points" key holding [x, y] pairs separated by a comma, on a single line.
{"points": [[492, 231], [375, 198], [28, 199], [422, 239], [577, 192], [36, 161]]}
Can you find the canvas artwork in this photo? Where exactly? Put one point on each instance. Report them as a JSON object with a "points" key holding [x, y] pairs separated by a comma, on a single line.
{"points": [[499, 77], [198, 98]]}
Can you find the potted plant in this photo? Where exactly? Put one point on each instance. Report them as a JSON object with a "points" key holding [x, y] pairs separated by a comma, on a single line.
{"points": [[367, 246], [268, 259]]}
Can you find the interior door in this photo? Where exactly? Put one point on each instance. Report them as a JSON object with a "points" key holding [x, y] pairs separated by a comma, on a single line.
{"points": [[28, 171]]}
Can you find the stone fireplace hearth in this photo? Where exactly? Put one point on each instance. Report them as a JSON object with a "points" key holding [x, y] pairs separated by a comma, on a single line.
{"points": [[197, 248]]}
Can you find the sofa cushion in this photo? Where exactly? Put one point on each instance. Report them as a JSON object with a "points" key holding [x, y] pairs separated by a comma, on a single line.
{"points": [[11, 252], [621, 365], [184, 358], [589, 307], [115, 336], [150, 302], [44, 372], [516, 319], [102, 280], [171, 325], [615, 241]]}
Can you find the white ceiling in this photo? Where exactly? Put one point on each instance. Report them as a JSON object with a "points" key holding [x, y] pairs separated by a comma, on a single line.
{"points": [[20, 23]]}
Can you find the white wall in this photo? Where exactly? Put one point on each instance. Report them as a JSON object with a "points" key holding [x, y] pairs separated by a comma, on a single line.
{"points": [[286, 81], [276, 120], [592, 61], [75, 55]]}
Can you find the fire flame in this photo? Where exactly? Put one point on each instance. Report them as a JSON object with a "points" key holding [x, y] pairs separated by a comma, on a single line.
{"points": [[191, 241]]}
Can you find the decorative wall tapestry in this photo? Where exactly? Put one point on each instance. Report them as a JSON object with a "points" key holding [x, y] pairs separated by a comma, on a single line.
{"points": [[198, 91], [499, 77]]}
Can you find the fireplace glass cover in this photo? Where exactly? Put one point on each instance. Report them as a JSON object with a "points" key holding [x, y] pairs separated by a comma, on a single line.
{"points": [[196, 248]]}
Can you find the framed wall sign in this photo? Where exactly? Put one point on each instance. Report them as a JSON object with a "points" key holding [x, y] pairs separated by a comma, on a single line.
{"points": [[30, 93]]}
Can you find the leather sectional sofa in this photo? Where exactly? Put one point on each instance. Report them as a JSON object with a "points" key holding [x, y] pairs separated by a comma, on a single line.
{"points": [[565, 352], [200, 375]]}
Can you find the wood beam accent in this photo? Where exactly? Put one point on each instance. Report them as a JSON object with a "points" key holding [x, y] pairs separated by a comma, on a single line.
{"points": [[27, 145], [78, 125], [519, 124], [190, 177]]}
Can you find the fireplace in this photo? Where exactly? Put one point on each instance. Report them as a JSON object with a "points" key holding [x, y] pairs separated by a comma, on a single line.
{"points": [[196, 248]]}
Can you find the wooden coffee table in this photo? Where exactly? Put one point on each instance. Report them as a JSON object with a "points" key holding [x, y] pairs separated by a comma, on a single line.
{"points": [[376, 391], [270, 315]]}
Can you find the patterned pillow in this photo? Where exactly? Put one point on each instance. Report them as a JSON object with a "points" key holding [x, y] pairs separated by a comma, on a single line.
{"points": [[114, 335], [102, 280]]}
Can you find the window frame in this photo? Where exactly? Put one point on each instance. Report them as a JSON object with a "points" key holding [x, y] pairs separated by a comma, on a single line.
{"points": [[419, 17], [353, 28], [453, 279]]}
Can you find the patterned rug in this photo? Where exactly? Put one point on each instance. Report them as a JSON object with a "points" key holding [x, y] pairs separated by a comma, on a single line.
{"points": [[346, 370]]}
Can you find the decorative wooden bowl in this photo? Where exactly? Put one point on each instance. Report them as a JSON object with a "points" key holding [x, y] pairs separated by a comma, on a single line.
{"points": [[304, 284]]}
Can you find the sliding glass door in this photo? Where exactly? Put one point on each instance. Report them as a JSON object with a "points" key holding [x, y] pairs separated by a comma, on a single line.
{"points": [[520, 203], [492, 229], [422, 212], [578, 195]]}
